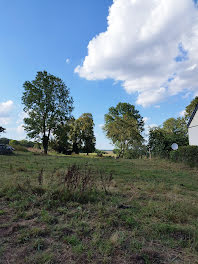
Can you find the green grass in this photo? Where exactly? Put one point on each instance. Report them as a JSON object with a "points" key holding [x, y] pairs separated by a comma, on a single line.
{"points": [[148, 215]]}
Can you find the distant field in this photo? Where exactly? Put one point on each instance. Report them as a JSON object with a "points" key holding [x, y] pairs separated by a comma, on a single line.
{"points": [[148, 214]]}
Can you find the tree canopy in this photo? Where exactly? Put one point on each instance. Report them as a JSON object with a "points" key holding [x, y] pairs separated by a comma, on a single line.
{"points": [[86, 125], [172, 131], [77, 135], [124, 126], [175, 126], [190, 108], [48, 104]]}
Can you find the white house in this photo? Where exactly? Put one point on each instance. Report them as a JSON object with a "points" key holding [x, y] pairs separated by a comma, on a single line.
{"points": [[193, 128]]}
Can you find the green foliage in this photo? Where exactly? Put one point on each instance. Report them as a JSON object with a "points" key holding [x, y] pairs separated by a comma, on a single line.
{"points": [[176, 126], [21, 145], [75, 136], [190, 108], [187, 155], [4, 141], [124, 125], [99, 152], [2, 129], [161, 139], [138, 150], [86, 125], [61, 141], [48, 104], [26, 143]]}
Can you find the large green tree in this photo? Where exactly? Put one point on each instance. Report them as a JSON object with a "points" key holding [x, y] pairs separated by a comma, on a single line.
{"points": [[48, 104], [86, 126], [124, 126]]}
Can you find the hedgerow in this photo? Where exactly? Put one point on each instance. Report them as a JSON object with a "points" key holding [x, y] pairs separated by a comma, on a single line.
{"points": [[187, 155]]}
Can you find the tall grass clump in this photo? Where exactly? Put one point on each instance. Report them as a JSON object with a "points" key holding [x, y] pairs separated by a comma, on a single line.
{"points": [[79, 183]]}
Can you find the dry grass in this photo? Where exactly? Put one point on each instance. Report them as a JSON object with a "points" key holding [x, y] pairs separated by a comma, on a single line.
{"points": [[148, 215]]}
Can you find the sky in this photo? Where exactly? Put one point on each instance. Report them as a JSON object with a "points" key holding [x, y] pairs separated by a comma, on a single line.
{"points": [[137, 51]]}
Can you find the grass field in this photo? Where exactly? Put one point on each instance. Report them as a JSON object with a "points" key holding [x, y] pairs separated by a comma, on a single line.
{"points": [[148, 214]]}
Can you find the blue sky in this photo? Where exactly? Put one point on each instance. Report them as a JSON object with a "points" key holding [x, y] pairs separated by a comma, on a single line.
{"points": [[54, 36]]}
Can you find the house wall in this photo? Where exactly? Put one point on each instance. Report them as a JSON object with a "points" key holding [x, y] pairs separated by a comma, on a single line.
{"points": [[193, 131]]}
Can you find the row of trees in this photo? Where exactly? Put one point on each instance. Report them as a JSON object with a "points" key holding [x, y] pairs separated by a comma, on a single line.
{"points": [[77, 135], [48, 105], [49, 120], [124, 127]]}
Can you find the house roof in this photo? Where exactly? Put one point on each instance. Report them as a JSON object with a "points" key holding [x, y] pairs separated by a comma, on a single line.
{"points": [[192, 116]]}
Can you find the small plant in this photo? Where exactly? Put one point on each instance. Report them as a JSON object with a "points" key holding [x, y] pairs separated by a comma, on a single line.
{"points": [[79, 178], [106, 180], [40, 177]]}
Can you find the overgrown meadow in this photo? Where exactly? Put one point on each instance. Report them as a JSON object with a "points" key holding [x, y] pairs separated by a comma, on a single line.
{"points": [[88, 209]]}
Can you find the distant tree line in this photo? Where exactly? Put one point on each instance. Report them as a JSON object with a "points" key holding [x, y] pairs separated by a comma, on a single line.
{"points": [[48, 105]]}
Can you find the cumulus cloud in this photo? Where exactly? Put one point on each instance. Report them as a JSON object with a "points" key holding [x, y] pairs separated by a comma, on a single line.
{"points": [[5, 108], [17, 132], [5, 111], [150, 46]]}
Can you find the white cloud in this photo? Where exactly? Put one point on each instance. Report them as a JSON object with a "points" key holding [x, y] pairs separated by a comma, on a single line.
{"points": [[150, 46], [67, 61], [5, 108], [20, 130], [146, 119], [157, 106], [5, 111], [4, 120], [17, 133], [101, 125], [182, 113]]}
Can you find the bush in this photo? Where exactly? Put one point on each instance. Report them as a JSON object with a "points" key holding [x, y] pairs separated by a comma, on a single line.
{"points": [[18, 147], [131, 154], [187, 155], [26, 143], [4, 141], [99, 152]]}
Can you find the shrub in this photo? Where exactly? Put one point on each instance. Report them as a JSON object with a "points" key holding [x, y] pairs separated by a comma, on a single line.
{"points": [[26, 143], [99, 152], [4, 141], [131, 154], [187, 155], [18, 147]]}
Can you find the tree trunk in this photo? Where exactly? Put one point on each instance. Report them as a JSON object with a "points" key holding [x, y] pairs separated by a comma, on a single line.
{"points": [[45, 144], [75, 148]]}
